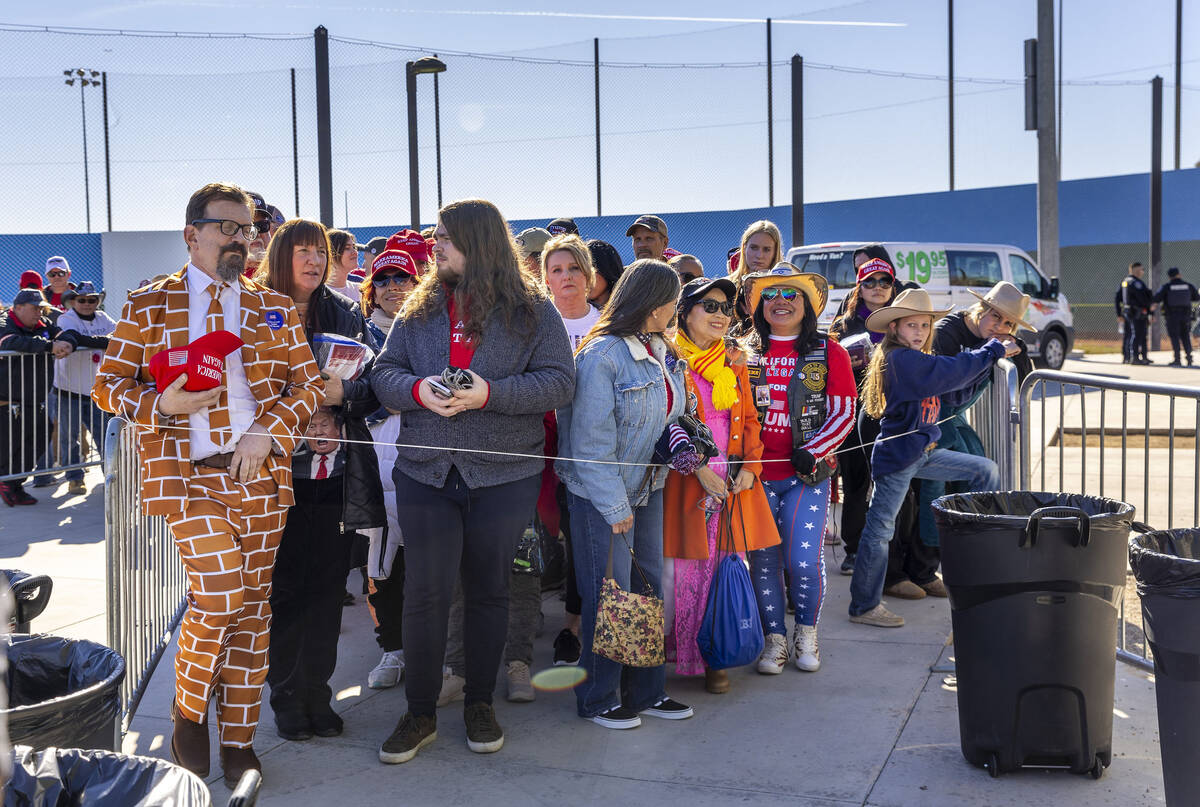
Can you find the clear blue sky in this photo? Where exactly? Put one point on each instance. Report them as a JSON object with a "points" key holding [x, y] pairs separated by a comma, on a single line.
{"points": [[184, 111]]}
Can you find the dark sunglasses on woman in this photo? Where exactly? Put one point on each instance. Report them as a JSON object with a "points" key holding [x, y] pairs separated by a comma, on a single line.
{"points": [[399, 279], [712, 307], [883, 282]]}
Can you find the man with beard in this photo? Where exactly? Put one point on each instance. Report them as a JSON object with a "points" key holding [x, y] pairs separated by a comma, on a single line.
{"points": [[217, 462], [649, 237]]}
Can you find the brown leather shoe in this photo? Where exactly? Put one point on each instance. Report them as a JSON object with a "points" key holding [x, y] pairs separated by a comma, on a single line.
{"points": [[236, 761], [905, 590], [935, 588], [189, 743], [716, 681]]}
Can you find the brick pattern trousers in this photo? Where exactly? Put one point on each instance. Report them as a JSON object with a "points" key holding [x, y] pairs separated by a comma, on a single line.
{"points": [[227, 538]]}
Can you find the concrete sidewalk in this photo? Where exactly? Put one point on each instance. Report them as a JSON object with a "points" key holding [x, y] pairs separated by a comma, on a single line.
{"points": [[874, 727]]}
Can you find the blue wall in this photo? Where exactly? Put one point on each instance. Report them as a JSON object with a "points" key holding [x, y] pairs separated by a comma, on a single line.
{"points": [[19, 253]]}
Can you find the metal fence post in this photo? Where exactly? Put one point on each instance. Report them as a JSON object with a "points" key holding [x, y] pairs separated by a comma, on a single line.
{"points": [[1156, 89], [324, 137], [797, 150]]}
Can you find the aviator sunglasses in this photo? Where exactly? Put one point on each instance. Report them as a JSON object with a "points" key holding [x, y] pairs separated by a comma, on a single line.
{"points": [[785, 293]]}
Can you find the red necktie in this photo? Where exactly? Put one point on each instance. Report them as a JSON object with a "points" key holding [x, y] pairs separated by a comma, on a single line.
{"points": [[218, 416], [322, 471]]}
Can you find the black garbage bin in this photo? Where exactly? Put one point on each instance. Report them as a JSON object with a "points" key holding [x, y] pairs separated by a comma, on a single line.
{"points": [[62, 692], [61, 776], [31, 595], [1167, 567], [1034, 582]]}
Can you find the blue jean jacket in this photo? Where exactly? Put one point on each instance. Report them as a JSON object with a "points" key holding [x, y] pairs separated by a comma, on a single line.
{"points": [[618, 414]]}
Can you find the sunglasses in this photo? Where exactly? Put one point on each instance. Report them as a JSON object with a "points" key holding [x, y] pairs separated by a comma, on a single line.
{"points": [[712, 307], [87, 300], [56, 273], [398, 279], [784, 293], [882, 282]]}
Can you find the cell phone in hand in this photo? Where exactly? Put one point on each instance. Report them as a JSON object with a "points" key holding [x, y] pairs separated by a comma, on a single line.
{"points": [[439, 389]]}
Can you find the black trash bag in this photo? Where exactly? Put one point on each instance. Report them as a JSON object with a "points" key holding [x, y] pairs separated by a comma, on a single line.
{"points": [[66, 777], [1005, 510], [1167, 563], [62, 692]]}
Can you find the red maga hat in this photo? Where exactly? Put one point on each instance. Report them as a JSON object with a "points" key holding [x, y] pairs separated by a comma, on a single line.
{"points": [[203, 361], [413, 243], [871, 267]]}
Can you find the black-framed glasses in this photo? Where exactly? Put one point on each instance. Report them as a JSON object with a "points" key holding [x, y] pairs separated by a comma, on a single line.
{"points": [[230, 227], [784, 293], [87, 300], [399, 279], [712, 307], [883, 282]]}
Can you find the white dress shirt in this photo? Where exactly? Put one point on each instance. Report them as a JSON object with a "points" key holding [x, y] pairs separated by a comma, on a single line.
{"points": [[241, 402]]}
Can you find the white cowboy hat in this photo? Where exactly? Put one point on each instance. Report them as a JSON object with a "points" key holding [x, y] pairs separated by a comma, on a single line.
{"points": [[908, 303], [1008, 300]]}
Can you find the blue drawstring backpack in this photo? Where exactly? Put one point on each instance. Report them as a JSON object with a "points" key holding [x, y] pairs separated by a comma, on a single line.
{"points": [[731, 631]]}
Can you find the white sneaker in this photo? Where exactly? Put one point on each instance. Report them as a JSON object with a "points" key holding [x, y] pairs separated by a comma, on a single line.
{"points": [[388, 671], [452, 687], [774, 655], [807, 654], [520, 689]]}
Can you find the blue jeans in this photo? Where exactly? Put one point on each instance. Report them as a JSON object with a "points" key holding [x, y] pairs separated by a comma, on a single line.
{"points": [[71, 414], [590, 535], [800, 512], [870, 564]]}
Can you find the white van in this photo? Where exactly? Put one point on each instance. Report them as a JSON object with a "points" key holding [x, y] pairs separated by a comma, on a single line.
{"points": [[947, 272]]}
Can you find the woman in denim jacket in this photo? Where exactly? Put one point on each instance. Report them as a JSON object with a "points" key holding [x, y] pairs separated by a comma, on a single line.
{"points": [[629, 388]]}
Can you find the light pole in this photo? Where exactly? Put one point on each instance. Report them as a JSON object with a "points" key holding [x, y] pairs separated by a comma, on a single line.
{"points": [[427, 64], [86, 78]]}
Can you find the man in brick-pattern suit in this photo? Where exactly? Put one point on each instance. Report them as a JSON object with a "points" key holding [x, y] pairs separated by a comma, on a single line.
{"points": [[217, 463]]}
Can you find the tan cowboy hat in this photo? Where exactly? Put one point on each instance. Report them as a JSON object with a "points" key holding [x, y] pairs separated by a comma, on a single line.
{"points": [[1007, 299], [814, 286], [908, 303]]}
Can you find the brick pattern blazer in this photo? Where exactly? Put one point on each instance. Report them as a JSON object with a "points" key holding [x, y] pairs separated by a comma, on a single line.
{"points": [[279, 367]]}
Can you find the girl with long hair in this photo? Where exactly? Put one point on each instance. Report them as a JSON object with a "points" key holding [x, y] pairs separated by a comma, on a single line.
{"points": [[629, 389], [904, 389], [343, 259], [805, 394], [691, 534]]}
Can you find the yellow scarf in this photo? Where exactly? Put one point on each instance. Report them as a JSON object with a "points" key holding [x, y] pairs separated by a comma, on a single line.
{"points": [[711, 366]]}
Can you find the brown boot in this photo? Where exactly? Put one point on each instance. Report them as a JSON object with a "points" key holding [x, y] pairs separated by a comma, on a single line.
{"points": [[935, 588], [716, 681], [905, 590], [189, 743], [236, 761]]}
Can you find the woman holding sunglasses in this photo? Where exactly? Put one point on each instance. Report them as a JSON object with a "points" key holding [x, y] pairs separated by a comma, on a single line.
{"points": [[805, 394], [691, 518], [875, 287]]}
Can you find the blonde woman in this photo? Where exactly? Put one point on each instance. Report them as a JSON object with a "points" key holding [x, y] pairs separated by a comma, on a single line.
{"points": [[568, 273]]}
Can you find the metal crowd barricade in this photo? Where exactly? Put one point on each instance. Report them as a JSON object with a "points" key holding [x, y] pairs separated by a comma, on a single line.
{"points": [[144, 580], [1130, 440], [32, 415]]}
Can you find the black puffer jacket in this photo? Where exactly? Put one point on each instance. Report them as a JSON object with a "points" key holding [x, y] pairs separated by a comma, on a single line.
{"points": [[363, 494]]}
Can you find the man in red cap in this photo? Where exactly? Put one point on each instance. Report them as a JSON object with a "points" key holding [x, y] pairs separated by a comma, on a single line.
{"points": [[216, 462]]}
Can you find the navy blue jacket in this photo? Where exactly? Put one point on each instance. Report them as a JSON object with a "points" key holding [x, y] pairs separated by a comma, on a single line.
{"points": [[913, 383]]}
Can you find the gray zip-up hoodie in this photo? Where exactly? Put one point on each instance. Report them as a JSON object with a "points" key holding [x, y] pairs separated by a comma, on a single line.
{"points": [[529, 374]]}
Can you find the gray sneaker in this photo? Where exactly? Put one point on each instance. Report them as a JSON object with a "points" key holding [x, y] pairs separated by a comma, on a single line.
{"points": [[484, 735], [388, 671], [412, 734], [520, 688], [452, 687], [879, 617]]}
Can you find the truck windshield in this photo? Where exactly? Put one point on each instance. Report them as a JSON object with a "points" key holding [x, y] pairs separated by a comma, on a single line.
{"points": [[836, 265]]}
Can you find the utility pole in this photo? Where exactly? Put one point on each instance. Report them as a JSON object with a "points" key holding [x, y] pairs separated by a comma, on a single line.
{"points": [[1047, 191]]}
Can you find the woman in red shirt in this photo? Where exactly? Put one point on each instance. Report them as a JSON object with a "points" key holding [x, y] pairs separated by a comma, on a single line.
{"points": [[805, 393]]}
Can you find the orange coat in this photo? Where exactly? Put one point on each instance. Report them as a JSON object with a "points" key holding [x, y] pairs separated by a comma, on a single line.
{"points": [[685, 535]]}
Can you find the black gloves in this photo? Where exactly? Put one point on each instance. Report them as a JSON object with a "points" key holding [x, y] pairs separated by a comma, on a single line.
{"points": [[803, 461]]}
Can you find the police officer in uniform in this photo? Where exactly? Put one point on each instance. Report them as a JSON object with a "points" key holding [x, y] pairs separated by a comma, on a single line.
{"points": [[1123, 326], [1137, 303], [1176, 297]]}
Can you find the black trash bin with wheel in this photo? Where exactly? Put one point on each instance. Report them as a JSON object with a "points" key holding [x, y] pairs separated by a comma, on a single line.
{"points": [[31, 595], [1167, 567], [62, 692], [1034, 582]]}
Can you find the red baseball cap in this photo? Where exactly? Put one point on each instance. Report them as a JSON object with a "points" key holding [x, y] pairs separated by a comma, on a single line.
{"points": [[394, 260], [30, 279], [203, 360], [413, 243], [670, 252], [734, 259], [872, 266]]}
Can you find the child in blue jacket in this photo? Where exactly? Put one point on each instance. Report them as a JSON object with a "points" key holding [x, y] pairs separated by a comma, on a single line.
{"points": [[903, 389]]}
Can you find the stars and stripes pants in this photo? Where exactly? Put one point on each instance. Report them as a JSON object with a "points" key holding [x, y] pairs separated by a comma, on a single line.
{"points": [[800, 511], [227, 538]]}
